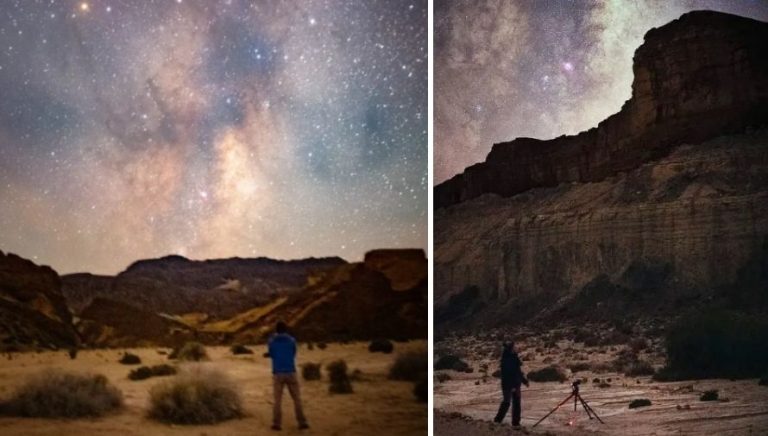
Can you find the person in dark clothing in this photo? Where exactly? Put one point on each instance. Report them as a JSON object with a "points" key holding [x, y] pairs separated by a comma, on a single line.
{"points": [[282, 351], [511, 379]]}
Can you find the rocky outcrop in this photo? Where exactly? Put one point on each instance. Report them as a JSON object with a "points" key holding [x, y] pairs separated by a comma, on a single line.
{"points": [[220, 288], [663, 206], [674, 231], [384, 296], [701, 76], [32, 309]]}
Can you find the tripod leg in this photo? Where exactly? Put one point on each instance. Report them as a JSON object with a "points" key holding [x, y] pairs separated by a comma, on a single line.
{"points": [[586, 407], [552, 411], [590, 410]]}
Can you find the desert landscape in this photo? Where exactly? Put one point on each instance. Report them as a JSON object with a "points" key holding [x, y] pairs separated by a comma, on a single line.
{"points": [[631, 257], [611, 380], [376, 403], [115, 355]]}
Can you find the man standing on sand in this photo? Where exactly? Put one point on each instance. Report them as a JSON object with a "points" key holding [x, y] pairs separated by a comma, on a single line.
{"points": [[511, 379], [282, 351]]}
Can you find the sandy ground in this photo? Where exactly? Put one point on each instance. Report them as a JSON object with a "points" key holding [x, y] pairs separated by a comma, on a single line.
{"points": [[744, 413], [377, 405]]}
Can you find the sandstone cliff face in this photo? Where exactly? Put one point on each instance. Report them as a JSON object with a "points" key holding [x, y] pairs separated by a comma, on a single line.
{"points": [[32, 309], [664, 202], [698, 77]]}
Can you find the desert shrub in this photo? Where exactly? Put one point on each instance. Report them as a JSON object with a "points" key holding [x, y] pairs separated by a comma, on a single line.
{"points": [[411, 366], [496, 374], [141, 373], [604, 385], [442, 377], [453, 362], [322, 345], [640, 402], [711, 395], [639, 368], [716, 344], [310, 346], [240, 349], [763, 380], [547, 374], [195, 397], [380, 346], [59, 394], [638, 344], [192, 351], [337, 373], [145, 372], [130, 359], [161, 370], [356, 375], [421, 390], [580, 366], [624, 360], [310, 371]]}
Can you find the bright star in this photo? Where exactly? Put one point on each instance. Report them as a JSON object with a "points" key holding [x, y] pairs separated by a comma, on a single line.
{"points": [[85, 7]]}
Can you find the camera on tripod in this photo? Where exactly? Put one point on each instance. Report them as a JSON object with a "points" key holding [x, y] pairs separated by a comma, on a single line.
{"points": [[577, 399]]}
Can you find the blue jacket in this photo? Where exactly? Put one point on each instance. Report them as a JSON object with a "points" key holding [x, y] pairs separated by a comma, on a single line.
{"points": [[282, 351]]}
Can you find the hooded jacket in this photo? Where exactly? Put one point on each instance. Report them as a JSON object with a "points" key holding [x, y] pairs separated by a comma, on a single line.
{"points": [[511, 371]]}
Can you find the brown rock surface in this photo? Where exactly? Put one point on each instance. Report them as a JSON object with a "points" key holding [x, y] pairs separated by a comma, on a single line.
{"points": [[32, 309], [690, 221]]}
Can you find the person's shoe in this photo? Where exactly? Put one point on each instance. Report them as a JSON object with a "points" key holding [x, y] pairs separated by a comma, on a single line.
{"points": [[276, 428], [303, 426]]}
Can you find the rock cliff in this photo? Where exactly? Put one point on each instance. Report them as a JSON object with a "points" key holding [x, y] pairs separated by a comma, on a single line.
{"points": [[663, 204], [32, 309], [698, 77]]}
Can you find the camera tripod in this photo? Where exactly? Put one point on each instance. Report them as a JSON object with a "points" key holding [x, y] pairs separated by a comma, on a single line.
{"points": [[576, 400]]}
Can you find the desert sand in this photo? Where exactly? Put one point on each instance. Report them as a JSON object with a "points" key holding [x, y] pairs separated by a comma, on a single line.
{"points": [[377, 405], [464, 407]]}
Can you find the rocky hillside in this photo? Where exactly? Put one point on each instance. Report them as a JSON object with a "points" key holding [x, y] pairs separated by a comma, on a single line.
{"points": [[384, 296], [219, 288], [663, 205], [33, 312]]}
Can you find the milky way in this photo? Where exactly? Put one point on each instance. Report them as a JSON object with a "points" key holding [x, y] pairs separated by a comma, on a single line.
{"points": [[135, 129], [541, 69]]}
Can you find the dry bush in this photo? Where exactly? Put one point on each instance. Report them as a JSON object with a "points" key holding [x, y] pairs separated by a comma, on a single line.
{"points": [[145, 372], [59, 394], [712, 395], [322, 345], [421, 390], [639, 368], [337, 373], [240, 349], [547, 374], [580, 366], [442, 377], [310, 371], [640, 402], [130, 359], [452, 362], [192, 351], [410, 366], [195, 397], [381, 346]]}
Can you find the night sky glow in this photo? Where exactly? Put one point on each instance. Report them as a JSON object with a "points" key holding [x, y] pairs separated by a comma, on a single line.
{"points": [[538, 68], [136, 129]]}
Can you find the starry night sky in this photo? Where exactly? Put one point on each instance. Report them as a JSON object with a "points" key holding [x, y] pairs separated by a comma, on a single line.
{"points": [[136, 129], [541, 69]]}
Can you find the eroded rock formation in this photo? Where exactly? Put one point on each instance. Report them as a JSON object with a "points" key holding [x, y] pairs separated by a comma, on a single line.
{"points": [[698, 77], [664, 202]]}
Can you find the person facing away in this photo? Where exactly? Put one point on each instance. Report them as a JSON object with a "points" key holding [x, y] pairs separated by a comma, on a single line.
{"points": [[511, 379], [282, 351]]}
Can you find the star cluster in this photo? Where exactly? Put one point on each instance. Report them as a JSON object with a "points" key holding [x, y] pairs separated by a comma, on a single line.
{"points": [[135, 129], [541, 69]]}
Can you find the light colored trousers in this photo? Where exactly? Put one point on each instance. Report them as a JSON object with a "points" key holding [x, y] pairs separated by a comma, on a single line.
{"points": [[290, 380]]}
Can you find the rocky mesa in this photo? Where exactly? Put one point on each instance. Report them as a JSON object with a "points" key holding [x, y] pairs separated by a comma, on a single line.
{"points": [[662, 204]]}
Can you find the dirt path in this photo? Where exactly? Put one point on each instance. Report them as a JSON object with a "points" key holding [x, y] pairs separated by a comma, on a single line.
{"points": [[388, 407]]}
